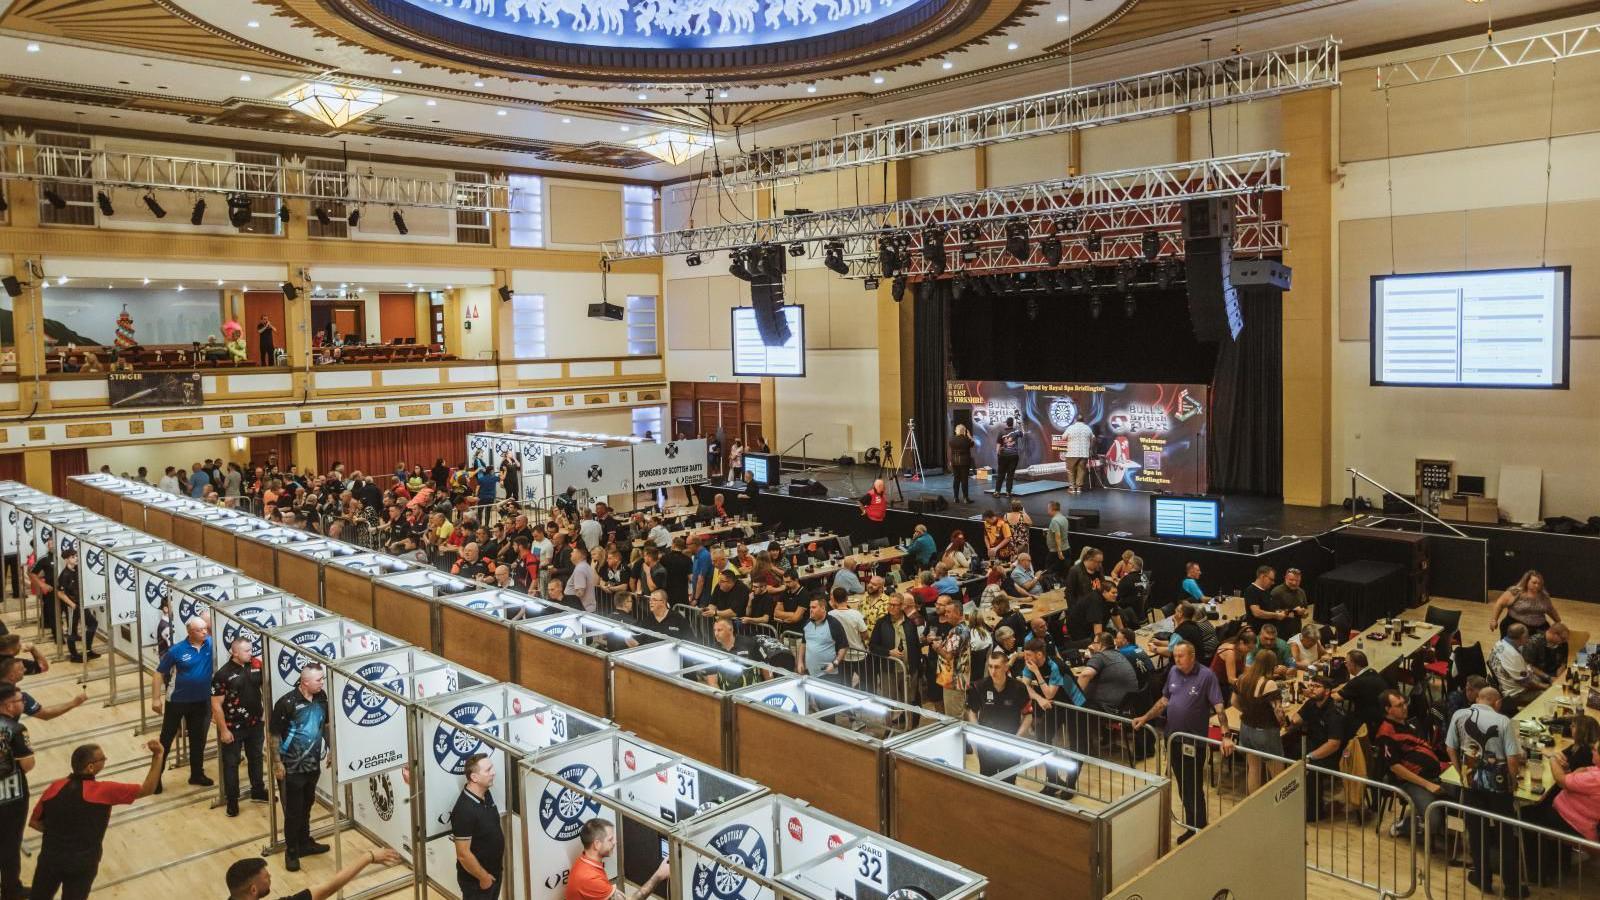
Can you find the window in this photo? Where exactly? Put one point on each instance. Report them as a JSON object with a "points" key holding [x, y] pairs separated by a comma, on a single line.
{"points": [[527, 326], [436, 317], [472, 225], [527, 218], [647, 418], [533, 423], [327, 178], [641, 314], [262, 183], [79, 198], [639, 211]]}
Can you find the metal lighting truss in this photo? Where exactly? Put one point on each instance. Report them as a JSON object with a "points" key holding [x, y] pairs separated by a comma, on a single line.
{"points": [[1118, 207], [153, 172], [1493, 56], [1232, 79]]}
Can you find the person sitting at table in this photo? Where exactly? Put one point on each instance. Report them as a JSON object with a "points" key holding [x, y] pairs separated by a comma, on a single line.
{"points": [[1573, 807], [1267, 639], [1108, 677], [919, 551], [1260, 717], [1133, 588], [1007, 641], [742, 560], [1024, 577], [1409, 762], [923, 591], [1527, 602], [1517, 682], [1039, 629], [1546, 652], [1086, 617], [1128, 645], [1184, 630], [846, 577], [1320, 720], [944, 583], [1307, 646], [1006, 617], [1123, 567], [958, 554], [1364, 691], [1191, 582]]}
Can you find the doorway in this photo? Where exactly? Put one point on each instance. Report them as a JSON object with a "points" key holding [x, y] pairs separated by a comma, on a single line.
{"points": [[346, 318]]}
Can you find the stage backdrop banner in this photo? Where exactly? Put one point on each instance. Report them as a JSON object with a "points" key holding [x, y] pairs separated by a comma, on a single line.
{"points": [[1149, 437], [670, 464]]}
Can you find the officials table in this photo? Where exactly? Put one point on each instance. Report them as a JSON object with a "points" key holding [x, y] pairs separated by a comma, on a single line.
{"points": [[1369, 590]]}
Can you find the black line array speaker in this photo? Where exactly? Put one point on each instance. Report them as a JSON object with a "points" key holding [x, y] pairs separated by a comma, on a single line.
{"points": [[767, 264], [1208, 250]]}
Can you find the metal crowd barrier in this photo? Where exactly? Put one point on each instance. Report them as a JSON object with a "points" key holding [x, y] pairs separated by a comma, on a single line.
{"points": [[1345, 834], [1206, 792], [1101, 734], [1541, 857]]}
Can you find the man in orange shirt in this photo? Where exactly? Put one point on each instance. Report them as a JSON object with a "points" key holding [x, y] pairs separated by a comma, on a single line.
{"points": [[588, 880]]}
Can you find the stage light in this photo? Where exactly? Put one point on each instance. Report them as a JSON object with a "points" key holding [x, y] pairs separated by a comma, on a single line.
{"points": [[239, 212], [1068, 223], [1017, 239], [833, 258], [736, 266], [1051, 248], [933, 249], [1129, 306], [1094, 307], [505, 294], [323, 218], [692, 259], [54, 199], [969, 237], [103, 200], [869, 283], [400, 223], [963, 283], [797, 250], [925, 288], [897, 288], [154, 207], [198, 214], [354, 219], [1092, 242], [1152, 245], [1164, 275], [888, 260], [1031, 308], [1124, 276]]}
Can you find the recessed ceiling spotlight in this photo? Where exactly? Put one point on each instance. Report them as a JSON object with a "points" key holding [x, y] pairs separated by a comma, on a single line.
{"points": [[432, 102], [252, 24], [565, 120], [947, 64], [644, 96], [722, 94], [33, 48], [811, 89], [180, 288], [1061, 17], [219, 282], [394, 71], [1012, 46], [499, 112], [877, 79], [63, 280], [477, 84], [147, 281], [625, 128], [244, 77]]}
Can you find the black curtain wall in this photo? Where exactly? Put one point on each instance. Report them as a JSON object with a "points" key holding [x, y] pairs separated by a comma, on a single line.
{"points": [[931, 332], [1247, 402]]}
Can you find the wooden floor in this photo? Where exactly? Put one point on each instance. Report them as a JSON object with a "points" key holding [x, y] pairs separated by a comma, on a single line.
{"points": [[180, 844]]}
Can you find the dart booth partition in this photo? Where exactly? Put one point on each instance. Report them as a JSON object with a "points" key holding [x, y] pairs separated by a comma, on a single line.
{"points": [[405, 604], [660, 692], [505, 723], [1115, 823], [347, 581], [780, 847], [479, 628], [189, 527], [567, 657], [223, 536], [846, 732]]}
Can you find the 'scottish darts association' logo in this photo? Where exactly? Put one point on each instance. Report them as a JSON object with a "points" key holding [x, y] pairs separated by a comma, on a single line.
{"points": [[1063, 411], [562, 810], [596, 473], [670, 450], [96, 560], [452, 745], [254, 615], [745, 846], [781, 701], [367, 707], [123, 573], [382, 791], [290, 662]]}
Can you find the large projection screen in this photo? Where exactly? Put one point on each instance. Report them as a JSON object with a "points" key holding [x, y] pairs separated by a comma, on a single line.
{"points": [[753, 358], [1502, 328]]}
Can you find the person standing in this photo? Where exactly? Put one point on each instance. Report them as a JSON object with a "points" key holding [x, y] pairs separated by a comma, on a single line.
{"points": [[250, 879], [264, 331], [999, 702], [299, 727], [1189, 698], [954, 650], [475, 829], [73, 813], [589, 881], [960, 447], [824, 644], [1008, 449], [69, 592], [1080, 446], [42, 577], [1487, 755], [187, 668], [875, 507], [1056, 539], [1321, 720], [237, 711], [16, 761]]}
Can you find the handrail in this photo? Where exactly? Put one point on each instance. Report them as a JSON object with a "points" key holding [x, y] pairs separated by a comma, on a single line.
{"points": [[800, 443], [1357, 473]]}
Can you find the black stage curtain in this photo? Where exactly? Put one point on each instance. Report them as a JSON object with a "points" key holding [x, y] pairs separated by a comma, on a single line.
{"points": [[931, 332], [1247, 402]]}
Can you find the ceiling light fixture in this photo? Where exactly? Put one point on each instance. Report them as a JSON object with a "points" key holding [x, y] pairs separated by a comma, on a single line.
{"points": [[147, 281], [877, 79], [811, 89], [673, 147], [499, 112], [55, 200], [644, 96], [897, 288], [323, 218], [354, 219], [1017, 239], [252, 24], [692, 260], [394, 71], [736, 266], [1013, 45], [198, 214], [565, 120], [240, 213], [947, 65], [400, 223], [244, 77], [33, 48], [62, 280], [103, 200], [1062, 17], [477, 84], [283, 212], [334, 105], [833, 258], [722, 95], [180, 288], [431, 102]]}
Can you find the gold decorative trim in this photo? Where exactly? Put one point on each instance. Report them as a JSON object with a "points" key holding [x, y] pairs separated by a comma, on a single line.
{"points": [[344, 415], [134, 427], [483, 405], [188, 423], [415, 409], [93, 429], [225, 421], [265, 420], [35, 433]]}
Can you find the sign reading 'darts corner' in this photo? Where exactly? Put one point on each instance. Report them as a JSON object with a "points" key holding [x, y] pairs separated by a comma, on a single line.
{"points": [[598, 471], [670, 464]]}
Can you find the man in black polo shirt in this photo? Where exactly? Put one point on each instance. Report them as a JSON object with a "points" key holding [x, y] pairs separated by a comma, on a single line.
{"points": [[999, 702], [236, 709], [1086, 617], [649, 573], [730, 600], [16, 761], [73, 813], [68, 589], [475, 828], [300, 725], [678, 566], [43, 575], [1322, 721], [663, 619], [1364, 691]]}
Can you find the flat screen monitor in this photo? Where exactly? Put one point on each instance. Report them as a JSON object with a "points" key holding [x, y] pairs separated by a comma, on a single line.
{"points": [[763, 467], [752, 357], [1186, 518], [1504, 328]]}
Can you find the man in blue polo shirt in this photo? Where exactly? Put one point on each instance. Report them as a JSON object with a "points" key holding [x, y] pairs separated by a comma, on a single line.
{"points": [[187, 668], [945, 583], [700, 572]]}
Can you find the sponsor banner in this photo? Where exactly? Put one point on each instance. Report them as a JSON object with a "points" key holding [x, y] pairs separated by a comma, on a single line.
{"points": [[598, 471], [670, 464], [136, 389], [369, 725], [447, 747], [743, 836]]}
